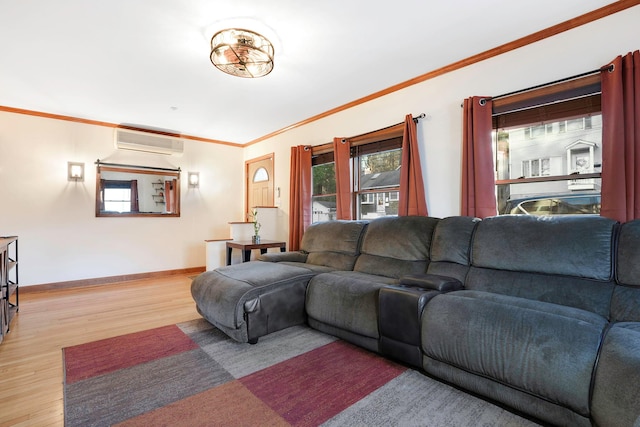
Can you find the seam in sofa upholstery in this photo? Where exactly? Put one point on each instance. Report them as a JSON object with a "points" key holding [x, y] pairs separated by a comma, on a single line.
{"points": [[615, 239], [592, 382], [470, 252]]}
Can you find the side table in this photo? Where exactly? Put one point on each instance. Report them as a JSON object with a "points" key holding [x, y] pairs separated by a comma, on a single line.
{"points": [[246, 246]]}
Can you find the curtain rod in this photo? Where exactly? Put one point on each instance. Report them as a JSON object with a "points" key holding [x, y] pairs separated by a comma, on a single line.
{"points": [[577, 76], [421, 116], [330, 144], [415, 120], [98, 162]]}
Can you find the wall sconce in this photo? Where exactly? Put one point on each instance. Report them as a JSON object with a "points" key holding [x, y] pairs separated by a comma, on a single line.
{"points": [[194, 179], [75, 171]]}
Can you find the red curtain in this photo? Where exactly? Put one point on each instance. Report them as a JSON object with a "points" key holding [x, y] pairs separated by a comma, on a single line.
{"points": [[478, 179], [621, 138], [102, 184], [169, 196], [300, 198], [412, 199], [135, 207], [342, 157]]}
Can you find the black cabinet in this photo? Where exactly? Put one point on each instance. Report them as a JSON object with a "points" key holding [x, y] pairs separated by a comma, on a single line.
{"points": [[8, 282]]}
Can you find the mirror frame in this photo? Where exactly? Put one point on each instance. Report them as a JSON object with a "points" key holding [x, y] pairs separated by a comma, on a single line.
{"points": [[147, 170]]}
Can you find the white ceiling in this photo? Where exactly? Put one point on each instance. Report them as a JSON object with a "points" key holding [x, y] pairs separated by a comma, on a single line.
{"points": [[146, 62]]}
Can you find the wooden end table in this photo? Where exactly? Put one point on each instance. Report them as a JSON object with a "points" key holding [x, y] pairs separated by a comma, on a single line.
{"points": [[246, 246]]}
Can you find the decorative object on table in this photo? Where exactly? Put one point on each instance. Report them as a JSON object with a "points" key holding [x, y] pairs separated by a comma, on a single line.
{"points": [[256, 226]]}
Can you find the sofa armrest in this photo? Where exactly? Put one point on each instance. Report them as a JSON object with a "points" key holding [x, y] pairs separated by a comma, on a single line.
{"points": [[432, 282], [284, 256]]}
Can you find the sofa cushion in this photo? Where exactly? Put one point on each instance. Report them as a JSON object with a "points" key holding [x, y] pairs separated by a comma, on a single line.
{"points": [[334, 244], [452, 239], [579, 246], [394, 246], [545, 350], [561, 260], [625, 304], [451, 247], [628, 257], [585, 294], [347, 300], [616, 401]]}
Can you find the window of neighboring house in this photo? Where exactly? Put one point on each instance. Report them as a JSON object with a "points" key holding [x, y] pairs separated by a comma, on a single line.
{"points": [[323, 181], [543, 140], [536, 167]]}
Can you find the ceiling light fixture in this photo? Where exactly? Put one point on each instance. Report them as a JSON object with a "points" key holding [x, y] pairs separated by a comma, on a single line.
{"points": [[241, 53]]}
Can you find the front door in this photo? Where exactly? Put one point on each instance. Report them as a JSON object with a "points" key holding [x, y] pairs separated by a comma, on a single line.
{"points": [[260, 183]]}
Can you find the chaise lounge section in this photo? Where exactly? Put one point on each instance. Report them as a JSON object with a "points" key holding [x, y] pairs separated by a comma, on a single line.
{"points": [[253, 299], [541, 314]]}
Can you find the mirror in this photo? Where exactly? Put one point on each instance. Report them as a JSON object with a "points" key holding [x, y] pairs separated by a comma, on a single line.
{"points": [[126, 190]]}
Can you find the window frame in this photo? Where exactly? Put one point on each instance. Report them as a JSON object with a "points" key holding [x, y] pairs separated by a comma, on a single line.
{"points": [[385, 139], [561, 102], [322, 155], [357, 154], [579, 95]]}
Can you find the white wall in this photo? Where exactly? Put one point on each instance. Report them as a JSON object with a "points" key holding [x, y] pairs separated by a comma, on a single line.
{"points": [[582, 49], [60, 239]]}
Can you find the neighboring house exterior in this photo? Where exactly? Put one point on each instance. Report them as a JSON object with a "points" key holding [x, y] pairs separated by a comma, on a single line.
{"points": [[559, 148], [323, 211], [379, 203]]}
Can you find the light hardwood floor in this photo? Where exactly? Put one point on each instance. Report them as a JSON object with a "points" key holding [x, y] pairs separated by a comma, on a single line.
{"points": [[31, 354]]}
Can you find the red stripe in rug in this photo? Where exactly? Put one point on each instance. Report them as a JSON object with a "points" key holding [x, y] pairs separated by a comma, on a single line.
{"points": [[108, 355], [315, 386]]}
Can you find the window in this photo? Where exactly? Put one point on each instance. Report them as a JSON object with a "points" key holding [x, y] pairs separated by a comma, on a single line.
{"points": [[261, 175], [375, 170], [117, 196], [543, 140], [323, 179], [536, 167], [378, 184]]}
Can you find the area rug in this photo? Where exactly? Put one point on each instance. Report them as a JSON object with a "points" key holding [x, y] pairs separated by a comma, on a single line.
{"points": [[191, 374]]}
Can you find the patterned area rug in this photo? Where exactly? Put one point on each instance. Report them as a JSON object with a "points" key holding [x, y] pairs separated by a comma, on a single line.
{"points": [[191, 374]]}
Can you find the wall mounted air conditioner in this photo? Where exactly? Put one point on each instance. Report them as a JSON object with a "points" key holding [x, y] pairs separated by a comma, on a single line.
{"points": [[126, 139]]}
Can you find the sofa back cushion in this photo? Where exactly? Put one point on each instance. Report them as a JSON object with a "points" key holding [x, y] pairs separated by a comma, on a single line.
{"points": [[334, 244], [395, 246], [565, 260], [625, 305], [451, 247]]}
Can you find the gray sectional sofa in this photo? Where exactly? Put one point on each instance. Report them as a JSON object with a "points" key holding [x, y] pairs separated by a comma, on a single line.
{"points": [[541, 314]]}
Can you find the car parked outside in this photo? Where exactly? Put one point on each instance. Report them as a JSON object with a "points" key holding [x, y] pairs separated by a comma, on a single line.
{"points": [[570, 204]]}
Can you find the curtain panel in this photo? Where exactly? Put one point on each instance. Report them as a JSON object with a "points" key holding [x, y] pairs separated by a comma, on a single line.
{"points": [[478, 178], [135, 206], [412, 198], [300, 198], [621, 138], [102, 186], [342, 157]]}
